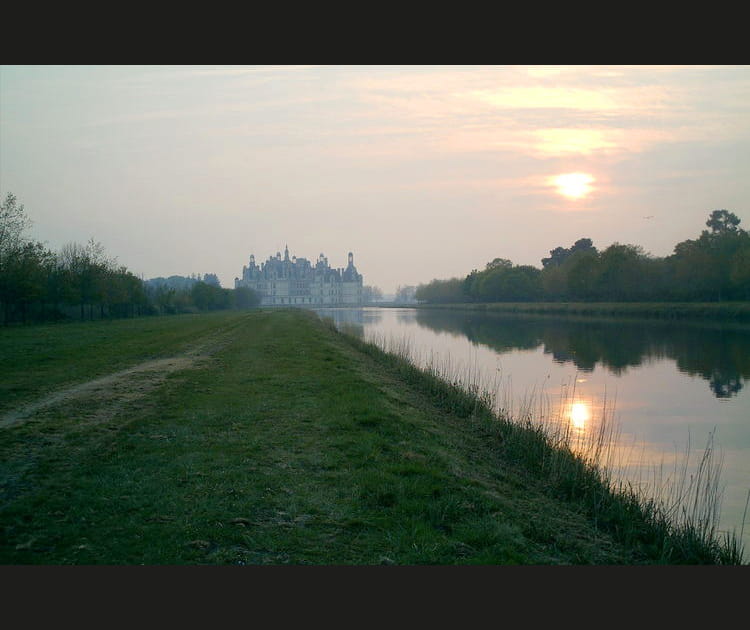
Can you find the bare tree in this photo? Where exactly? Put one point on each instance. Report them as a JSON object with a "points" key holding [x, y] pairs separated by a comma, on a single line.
{"points": [[87, 269], [13, 223]]}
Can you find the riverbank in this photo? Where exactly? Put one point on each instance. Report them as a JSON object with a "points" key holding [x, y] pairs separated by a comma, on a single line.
{"points": [[271, 438], [688, 311]]}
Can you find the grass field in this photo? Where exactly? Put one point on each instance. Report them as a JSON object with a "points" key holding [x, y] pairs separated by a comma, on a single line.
{"points": [[269, 438]]}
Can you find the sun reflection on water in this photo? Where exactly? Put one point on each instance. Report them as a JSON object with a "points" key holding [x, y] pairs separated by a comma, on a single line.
{"points": [[579, 415]]}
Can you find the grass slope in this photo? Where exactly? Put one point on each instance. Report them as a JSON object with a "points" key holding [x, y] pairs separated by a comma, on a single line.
{"points": [[291, 444]]}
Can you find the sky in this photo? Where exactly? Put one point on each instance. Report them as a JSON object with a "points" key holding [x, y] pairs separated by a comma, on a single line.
{"points": [[422, 172]]}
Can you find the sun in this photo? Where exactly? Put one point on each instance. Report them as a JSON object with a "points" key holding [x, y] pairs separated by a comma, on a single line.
{"points": [[573, 185]]}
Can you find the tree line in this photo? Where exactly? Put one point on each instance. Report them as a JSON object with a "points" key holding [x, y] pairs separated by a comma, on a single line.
{"points": [[713, 267], [82, 282]]}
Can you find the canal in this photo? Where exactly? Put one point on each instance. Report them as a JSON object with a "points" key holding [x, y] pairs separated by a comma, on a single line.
{"points": [[675, 397]]}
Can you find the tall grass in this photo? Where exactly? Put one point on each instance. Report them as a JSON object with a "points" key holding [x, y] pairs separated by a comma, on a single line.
{"points": [[673, 517]]}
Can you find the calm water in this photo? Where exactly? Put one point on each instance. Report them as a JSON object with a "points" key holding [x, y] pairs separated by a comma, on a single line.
{"points": [[668, 388]]}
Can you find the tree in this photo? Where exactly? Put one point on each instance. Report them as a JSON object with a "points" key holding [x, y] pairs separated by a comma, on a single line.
{"points": [[208, 297], [162, 297], [554, 279], [13, 223], [524, 283], [203, 295], [212, 279], [498, 263], [583, 245], [583, 274], [123, 292], [621, 272], [55, 279], [245, 297], [23, 279], [556, 257], [722, 222], [87, 268], [470, 285], [405, 294], [441, 291], [739, 271], [711, 266], [560, 254], [508, 283], [22, 262]]}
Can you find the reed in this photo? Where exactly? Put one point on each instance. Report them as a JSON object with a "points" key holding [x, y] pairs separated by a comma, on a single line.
{"points": [[675, 516]]}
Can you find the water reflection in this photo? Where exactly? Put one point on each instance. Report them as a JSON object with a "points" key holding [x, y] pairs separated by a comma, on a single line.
{"points": [[579, 414], [656, 385], [718, 354], [352, 319]]}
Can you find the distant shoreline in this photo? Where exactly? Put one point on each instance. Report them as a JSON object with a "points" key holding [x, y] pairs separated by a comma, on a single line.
{"points": [[706, 311]]}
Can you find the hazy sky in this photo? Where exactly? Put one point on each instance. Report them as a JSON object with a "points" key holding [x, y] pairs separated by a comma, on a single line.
{"points": [[422, 172]]}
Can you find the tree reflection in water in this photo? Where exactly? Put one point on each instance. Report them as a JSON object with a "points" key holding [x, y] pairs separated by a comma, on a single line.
{"points": [[720, 354], [661, 371]]}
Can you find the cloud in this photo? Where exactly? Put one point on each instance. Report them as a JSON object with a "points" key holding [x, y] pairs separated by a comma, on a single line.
{"points": [[598, 110], [587, 141], [541, 97]]}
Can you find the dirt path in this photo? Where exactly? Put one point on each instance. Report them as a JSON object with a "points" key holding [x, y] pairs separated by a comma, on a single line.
{"points": [[112, 391]]}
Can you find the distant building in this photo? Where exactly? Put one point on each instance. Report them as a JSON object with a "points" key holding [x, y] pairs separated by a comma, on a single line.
{"points": [[297, 282]]}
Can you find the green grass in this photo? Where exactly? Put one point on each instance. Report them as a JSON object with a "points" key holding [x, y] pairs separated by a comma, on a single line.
{"points": [[39, 359], [291, 444]]}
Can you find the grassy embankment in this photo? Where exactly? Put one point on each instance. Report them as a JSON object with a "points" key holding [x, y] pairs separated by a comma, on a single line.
{"points": [[724, 311], [284, 442]]}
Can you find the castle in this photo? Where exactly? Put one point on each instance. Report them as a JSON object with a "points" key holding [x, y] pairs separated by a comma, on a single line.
{"points": [[296, 281]]}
